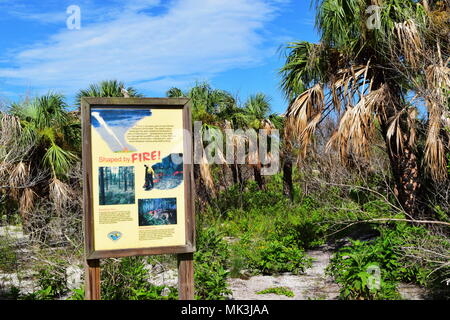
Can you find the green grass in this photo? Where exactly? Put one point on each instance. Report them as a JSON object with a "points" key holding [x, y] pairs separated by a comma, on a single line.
{"points": [[281, 291]]}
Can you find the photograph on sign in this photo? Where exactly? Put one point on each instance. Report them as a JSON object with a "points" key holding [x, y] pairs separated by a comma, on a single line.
{"points": [[138, 192], [157, 211]]}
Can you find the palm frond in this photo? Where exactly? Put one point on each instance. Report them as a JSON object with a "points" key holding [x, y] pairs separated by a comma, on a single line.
{"points": [[60, 193], [410, 42], [26, 203], [305, 66], [435, 152], [106, 88], [175, 93], [356, 127], [303, 115], [58, 160]]}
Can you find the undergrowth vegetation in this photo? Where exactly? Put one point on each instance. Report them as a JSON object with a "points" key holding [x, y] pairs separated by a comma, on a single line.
{"points": [[371, 269], [246, 231], [268, 234]]}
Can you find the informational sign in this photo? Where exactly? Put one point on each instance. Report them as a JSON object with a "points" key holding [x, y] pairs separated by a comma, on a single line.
{"points": [[137, 178]]}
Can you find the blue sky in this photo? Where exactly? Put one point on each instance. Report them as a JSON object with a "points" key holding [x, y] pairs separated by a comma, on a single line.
{"points": [[149, 44]]}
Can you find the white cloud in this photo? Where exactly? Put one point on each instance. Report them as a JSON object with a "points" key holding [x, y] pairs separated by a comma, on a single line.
{"points": [[194, 38], [43, 17]]}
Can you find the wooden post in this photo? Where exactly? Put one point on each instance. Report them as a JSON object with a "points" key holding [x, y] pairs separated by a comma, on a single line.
{"points": [[92, 282], [186, 276]]}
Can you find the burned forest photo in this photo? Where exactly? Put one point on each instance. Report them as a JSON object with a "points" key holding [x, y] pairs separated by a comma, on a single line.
{"points": [[116, 185]]}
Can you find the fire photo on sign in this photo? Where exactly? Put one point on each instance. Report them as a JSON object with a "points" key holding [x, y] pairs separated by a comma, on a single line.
{"points": [[167, 174], [116, 185], [154, 212]]}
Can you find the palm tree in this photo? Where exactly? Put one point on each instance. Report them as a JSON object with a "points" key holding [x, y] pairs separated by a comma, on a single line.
{"points": [[107, 88], [211, 107], [41, 152], [46, 123], [256, 113], [364, 77]]}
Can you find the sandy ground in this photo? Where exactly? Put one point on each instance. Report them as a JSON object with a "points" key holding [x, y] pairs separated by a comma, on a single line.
{"points": [[313, 284]]}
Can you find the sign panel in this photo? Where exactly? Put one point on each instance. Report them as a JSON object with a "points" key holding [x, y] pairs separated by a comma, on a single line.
{"points": [[137, 180]]}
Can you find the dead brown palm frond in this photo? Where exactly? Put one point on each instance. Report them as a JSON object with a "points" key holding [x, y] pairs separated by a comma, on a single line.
{"points": [[226, 124], [60, 193], [356, 127], [10, 126], [18, 178], [253, 156], [4, 171], [445, 118], [435, 153], [394, 131], [438, 76], [438, 84], [412, 126], [347, 82], [426, 6], [410, 42], [348, 85], [267, 126], [26, 203], [10, 130], [308, 133], [304, 114], [395, 134], [205, 173]]}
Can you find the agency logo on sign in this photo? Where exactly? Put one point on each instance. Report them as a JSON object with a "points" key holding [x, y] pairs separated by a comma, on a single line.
{"points": [[115, 235]]}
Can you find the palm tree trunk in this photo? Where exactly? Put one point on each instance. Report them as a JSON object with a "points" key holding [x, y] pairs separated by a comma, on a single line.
{"points": [[224, 177], [234, 171], [240, 177], [288, 188], [201, 191], [258, 177], [406, 173]]}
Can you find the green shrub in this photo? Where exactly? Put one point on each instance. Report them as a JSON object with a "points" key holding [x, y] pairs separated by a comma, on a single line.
{"points": [[275, 256], [303, 226], [350, 268], [8, 256], [153, 292], [249, 198], [241, 253], [52, 281], [128, 279], [122, 277], [147, 292], [77, 294], [210, 262], [352, 264]]}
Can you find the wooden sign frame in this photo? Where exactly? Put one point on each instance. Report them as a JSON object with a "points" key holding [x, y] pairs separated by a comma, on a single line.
{"points": [[184, 252]]}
